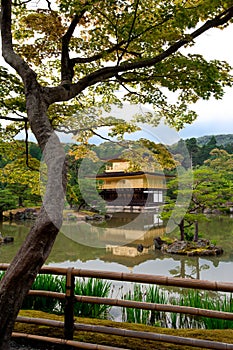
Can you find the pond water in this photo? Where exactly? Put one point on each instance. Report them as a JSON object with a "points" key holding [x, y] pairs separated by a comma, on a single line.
{"points": [[112, 246]]}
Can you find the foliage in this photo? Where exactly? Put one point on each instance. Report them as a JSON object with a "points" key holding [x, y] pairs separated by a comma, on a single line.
{"points": [[35, 151], [200, 149], [19, 174], [90, 287], [150, 294], [148, 156], [190, 298], [212, 190], [81, 179], [222, 140], [21, 180], [122, 35], [47, 304], [221, 161], [190, 149], [205, 300], [140, 293], [7, 201], [12, 94]]}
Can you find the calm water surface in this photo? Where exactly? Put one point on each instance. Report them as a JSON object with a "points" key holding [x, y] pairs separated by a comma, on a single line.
{"points": [[112, 246]]}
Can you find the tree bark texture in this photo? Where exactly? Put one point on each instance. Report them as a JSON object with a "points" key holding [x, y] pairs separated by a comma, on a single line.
{"points": [[38, 244]]}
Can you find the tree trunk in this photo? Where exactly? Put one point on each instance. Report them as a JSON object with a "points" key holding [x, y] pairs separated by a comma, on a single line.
{"points": [[20, 201], [197, 268], [38, 244], [181, 227], [1, 215], [195, 238], [22, 272], [182, 268]]}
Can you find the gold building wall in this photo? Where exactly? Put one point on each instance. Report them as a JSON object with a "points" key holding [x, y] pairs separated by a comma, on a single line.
{"points": [[144, 181]]}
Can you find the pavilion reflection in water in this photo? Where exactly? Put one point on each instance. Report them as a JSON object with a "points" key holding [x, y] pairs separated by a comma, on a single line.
{"points": [[121, 234]]}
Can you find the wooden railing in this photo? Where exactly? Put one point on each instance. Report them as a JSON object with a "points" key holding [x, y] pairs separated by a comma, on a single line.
{"points": [[69, 326]]}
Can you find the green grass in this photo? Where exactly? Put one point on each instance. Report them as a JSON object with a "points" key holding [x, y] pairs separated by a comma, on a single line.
{"points": [[191, 298], [152, 294], [48, 304], [90, 287]]}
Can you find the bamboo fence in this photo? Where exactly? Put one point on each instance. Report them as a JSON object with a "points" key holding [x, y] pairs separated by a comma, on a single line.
{"points": [[205, 344], [71, 343], [69, 326]]}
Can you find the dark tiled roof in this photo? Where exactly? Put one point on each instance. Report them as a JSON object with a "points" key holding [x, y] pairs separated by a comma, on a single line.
{"points": [[133, 173]]}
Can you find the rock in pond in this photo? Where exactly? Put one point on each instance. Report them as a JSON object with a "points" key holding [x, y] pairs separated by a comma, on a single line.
{"points": [[200, 248]]}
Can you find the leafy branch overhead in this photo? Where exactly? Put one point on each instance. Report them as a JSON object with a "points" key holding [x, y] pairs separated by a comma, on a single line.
{"points": [[91, 49]]}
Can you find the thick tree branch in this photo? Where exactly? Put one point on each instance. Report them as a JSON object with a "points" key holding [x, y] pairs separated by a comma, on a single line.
{"points": [[66, 64], [14, 60], [59, 94]]}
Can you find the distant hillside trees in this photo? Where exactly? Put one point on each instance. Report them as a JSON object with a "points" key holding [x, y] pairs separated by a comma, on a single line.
{"points": [[198, 152], [222, 139], [20, 180]]}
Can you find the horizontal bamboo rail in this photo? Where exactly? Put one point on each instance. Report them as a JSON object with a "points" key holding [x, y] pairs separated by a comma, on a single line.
{"points": [[74, 344], [139, 278], [45, 293], [156, 307], [40, 321], [165, 338], [139, 305], [205, 344], [145, 278], [70, 298]]}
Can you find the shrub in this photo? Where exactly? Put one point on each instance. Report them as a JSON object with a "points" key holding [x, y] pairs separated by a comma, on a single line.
{"points": [[90, 287], [47, 304]]}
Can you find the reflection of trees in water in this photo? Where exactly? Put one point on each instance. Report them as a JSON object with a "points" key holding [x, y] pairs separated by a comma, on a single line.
{"points": [[19, 229], [194, 266], [219, 229], [67, 249]]}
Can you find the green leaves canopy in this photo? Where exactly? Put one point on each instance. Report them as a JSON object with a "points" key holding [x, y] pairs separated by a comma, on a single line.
{"points": [[212, 189], [76, 42]]}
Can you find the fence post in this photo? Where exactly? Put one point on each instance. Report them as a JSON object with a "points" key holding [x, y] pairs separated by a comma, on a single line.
{"points": [[69, 305]]}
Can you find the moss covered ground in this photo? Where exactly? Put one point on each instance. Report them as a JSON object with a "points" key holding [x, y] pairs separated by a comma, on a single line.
{"points": [[124, 342]]}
